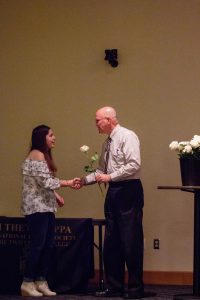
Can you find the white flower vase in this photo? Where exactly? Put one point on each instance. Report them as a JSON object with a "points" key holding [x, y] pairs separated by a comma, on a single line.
{"points": [[190, 171]]}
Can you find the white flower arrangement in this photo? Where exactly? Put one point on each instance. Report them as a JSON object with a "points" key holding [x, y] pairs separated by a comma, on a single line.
{"points": [[187, 149]]}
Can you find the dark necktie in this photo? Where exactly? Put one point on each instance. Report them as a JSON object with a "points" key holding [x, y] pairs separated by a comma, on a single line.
{"points": [[107, 154]]}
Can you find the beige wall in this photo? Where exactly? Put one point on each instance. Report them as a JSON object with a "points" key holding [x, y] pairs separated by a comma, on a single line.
{"points": [[52, 71]]}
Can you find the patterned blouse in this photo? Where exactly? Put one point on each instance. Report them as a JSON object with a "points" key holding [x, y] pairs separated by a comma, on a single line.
{"points": [[38, 188]]}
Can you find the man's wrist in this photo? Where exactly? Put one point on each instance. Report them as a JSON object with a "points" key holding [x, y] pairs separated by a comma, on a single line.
{"points": [[109, 178]]}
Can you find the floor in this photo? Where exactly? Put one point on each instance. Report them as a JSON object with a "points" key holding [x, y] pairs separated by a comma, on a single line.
{"points": [[160, 293]]}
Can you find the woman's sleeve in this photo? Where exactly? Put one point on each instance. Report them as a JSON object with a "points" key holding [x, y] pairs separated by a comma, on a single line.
{"points": [[51, 183], [40, 171]]}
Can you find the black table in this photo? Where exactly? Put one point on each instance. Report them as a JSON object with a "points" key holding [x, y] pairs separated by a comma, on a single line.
{"points": [[100, 223], [196, 257]]}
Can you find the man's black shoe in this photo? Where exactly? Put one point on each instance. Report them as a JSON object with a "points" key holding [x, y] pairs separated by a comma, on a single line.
{"points": [[108, 293]]}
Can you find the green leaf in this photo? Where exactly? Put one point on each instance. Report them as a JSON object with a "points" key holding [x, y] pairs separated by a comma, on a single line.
{"points": [[93, 158], [96, 156]]}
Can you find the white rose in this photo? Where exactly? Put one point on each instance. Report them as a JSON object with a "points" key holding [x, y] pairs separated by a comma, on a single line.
{"points": [[84, 148], [196, 138], [174, 145], [188, 149], [194, 143]]}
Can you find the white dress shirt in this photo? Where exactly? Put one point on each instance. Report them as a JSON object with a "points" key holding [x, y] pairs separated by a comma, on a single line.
{"points": [[124, 157]]}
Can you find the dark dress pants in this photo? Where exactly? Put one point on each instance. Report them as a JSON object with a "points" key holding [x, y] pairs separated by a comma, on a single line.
{"points": [[42, 229], [123, 242]]}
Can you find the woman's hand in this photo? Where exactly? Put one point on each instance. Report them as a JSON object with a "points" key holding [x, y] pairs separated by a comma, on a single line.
{"points": [[59, 199], [73, 183]]}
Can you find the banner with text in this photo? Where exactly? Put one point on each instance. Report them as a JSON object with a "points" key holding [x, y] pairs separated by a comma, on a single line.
{"points": [[72, 262]]}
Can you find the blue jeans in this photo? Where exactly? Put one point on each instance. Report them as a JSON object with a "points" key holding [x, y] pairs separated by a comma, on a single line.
{"points": [[42, 229]]}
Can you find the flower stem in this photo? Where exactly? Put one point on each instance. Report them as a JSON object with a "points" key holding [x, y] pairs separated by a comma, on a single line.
{"points": [[101, 189]]}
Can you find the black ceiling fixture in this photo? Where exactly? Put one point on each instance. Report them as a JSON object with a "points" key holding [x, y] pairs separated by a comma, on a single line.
{"points": [[111, 57]]}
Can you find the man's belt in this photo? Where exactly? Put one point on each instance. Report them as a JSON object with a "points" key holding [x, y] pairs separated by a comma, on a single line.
{"points": [[123, 182]]}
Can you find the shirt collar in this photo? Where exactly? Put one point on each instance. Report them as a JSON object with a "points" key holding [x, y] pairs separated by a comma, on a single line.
{"points": [[117, 127]]}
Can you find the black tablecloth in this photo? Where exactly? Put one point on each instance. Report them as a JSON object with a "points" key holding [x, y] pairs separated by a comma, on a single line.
{"points": [[72, 262]]}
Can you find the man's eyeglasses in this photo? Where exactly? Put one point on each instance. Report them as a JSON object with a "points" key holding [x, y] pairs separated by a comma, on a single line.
{"points": [[98, 120]]}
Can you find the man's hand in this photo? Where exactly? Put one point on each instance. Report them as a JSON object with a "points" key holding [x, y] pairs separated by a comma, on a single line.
{"points": [[102, 178]]}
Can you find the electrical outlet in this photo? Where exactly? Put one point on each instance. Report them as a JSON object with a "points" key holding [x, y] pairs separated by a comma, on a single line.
{"points": [[156, 244]]}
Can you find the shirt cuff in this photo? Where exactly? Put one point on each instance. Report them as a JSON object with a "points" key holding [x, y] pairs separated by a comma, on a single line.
{"points": [[90, 178]]}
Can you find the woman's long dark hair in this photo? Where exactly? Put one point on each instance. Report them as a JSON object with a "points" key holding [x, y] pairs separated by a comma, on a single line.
{"points": [[38, 142]]}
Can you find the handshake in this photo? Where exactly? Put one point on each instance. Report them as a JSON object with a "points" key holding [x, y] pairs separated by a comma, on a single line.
{"points": [[78, 183], [75, 183]]}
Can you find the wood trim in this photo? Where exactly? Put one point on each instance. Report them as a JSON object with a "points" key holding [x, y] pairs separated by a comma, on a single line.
{"points": [[159, 278], [168, 278]]}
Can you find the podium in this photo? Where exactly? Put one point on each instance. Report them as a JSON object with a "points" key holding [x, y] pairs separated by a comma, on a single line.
{"points": [[196, 248]]}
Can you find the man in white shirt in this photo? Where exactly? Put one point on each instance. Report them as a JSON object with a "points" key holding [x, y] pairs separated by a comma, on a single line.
{"points": [[119, 167]]}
